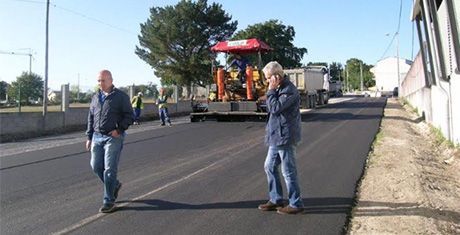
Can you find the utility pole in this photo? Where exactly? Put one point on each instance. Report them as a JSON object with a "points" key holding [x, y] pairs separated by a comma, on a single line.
{"points": [[19, 93], [397, 61], [346, 77], [19, 53], [78, 88], [45, 89], [361, 75], [30, 72]]}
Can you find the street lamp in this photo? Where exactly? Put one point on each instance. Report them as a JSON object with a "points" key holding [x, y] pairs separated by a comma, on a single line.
{"points": [[20, 53]]}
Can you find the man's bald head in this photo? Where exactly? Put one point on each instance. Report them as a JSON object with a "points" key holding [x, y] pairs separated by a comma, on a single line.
{"points": [[105, 80]]}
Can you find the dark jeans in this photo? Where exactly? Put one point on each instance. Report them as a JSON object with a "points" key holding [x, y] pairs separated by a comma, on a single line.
{"points": [[164, 116], [137, 114]]}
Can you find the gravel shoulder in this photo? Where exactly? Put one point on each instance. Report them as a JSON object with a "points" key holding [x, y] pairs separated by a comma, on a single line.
{"points": [[411, 183]]}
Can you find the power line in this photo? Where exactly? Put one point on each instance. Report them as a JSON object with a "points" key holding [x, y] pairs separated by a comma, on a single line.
{"points": [[30, 1], [94, 19], [400, 12], [80, 14], [388, 47], [397, 31]]}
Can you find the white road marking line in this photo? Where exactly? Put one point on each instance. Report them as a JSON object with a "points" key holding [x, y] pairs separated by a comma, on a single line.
{"points": [[97, 216]]}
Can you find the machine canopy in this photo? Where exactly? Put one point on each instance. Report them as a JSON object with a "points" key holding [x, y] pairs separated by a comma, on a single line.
{"points": [[246, 46]]}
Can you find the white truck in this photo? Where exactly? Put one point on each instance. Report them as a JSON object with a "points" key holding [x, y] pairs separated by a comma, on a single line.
{"points": [[335, 89], [312, 83]]}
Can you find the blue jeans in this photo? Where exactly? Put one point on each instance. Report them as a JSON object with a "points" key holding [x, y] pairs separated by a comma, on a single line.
{"points": [[284, 156], [105, 155], [137, 114], [164, 116]]}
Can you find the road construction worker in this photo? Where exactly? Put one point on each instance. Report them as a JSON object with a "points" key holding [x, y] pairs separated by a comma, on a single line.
{"points": [[138, 105], [212, 96], [241, 63], [163, 107]]}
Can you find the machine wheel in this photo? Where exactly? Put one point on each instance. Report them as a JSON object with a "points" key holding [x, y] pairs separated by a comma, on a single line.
{"points": [[321, 99], [196, 119]]}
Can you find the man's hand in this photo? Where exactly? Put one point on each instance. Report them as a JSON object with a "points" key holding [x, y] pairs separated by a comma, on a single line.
{"points": [[274, 82], [88, 145], [115, 133]]}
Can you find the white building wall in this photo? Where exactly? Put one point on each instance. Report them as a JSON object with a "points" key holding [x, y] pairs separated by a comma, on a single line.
{"points": [[386, 73], [439, 103], [455, 87]]}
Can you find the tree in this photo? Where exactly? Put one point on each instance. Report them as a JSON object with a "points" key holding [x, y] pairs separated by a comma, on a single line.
{"points": [[30, 86], [75, 94], [335, 71], [152, 90], [354, 74], [124, 89], [3, 89], [279, 37], [176, 41]]}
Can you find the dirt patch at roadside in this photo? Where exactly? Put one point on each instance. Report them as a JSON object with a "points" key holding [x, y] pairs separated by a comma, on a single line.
{"points": [[411, 184]]}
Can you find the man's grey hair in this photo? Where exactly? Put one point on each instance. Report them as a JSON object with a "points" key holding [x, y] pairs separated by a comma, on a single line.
{"points": [[273, 68]]}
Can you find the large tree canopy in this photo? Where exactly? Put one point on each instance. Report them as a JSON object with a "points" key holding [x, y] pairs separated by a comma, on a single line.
{"points": [[354, 74], [29, 85], [280, 38], [175, 40], [335, 70]]}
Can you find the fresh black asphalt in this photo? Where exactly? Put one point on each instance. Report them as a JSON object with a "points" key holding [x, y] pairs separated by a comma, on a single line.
{"points": [[194, 178]]}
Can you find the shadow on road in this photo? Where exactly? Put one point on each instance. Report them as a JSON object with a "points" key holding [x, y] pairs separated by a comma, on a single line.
{"points": [[312, 205], [370, 208], [357, 104], [333, 117], [326, 205]]}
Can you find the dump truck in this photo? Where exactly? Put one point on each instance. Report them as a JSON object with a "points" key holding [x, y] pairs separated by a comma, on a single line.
{"points": [[230, 99], [335, 89], [312, 83]]}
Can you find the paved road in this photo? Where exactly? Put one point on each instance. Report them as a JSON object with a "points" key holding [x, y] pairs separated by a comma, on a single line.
{"points": [[192, 178]]}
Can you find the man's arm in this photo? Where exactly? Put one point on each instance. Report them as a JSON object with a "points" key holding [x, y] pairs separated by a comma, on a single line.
{"points": [[90, 128], [127, 114], [277, 103], [90, 122]]}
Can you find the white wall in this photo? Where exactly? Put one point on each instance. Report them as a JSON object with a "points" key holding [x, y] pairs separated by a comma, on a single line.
{"points": [[386, 72], [440, 102], [24, 124]]}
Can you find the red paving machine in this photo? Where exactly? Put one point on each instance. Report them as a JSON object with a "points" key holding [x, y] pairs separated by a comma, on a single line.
{"points": [[230, 98]]}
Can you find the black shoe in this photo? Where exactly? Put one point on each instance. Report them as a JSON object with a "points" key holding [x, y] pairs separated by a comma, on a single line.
{"points": [[162, 124], [117, 189], [107, 208]]}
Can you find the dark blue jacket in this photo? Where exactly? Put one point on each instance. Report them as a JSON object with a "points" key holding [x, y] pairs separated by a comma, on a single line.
{"points": [[240, 63], [283, 126], [115, 112]]}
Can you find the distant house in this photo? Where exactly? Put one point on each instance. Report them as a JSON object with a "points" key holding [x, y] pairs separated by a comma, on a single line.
{"points": [[386, 72], [54, 96]]}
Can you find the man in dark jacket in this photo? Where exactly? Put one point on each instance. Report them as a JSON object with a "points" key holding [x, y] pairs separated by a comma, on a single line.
{"points": [[110, 114], [282, 135]]}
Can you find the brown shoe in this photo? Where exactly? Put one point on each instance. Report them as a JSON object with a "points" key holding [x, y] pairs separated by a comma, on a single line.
{"points": [[270, 206], [288, 210]]}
